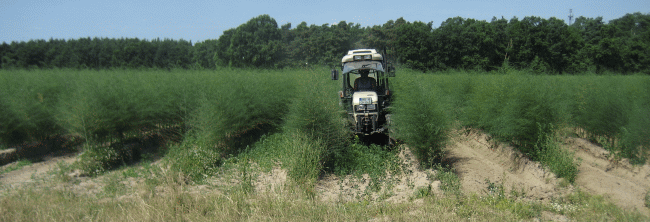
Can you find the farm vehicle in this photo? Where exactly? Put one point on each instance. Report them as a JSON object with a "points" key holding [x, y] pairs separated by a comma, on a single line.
{"points": [[365, 91]]}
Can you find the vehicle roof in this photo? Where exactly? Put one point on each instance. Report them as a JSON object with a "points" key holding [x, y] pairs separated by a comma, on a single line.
{"points": [[363, 65], [362, 52]]}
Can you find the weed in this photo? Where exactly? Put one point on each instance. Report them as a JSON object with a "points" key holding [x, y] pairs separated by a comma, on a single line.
{"points": [[246, 180], [496, 190], [588, 207], [517, 193], [449, 181], [647, 199], [558, 160], [130, 172], [61, 172], [374, 160], [194, 161], [113, 186], [98, 159], [17, 166], [423, 191]]}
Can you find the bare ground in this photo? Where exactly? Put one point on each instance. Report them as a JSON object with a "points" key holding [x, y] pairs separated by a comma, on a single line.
{"points": [[33, 172], [478, 161], [600, 174]]}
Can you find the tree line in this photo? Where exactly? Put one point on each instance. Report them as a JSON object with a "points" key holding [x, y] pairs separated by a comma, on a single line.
{"points": [[541, 45]]}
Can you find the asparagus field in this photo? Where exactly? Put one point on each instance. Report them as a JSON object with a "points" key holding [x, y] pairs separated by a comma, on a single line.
{"points": [[200, 144]]}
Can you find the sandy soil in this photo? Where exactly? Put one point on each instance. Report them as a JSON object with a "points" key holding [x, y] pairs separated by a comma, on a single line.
{"points": [[624, 183], [477, 160], [33, 172], [480, 161]]}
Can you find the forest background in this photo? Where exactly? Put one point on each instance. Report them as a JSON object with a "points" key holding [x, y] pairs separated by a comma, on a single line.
{"points": [[538, 45]]}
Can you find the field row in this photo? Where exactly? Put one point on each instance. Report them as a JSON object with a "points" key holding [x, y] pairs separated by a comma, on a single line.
{"points": [[528, 111], [221, 113]]}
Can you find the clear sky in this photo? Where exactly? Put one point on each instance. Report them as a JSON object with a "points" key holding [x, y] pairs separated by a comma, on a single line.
{"points": [[22, 20]]}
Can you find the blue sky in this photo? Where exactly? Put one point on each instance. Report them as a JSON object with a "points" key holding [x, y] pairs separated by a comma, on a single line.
{"points": [[22, 20]]}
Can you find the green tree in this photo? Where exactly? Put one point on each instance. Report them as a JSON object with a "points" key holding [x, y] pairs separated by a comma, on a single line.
{"points": [[255, 43], [414, 45]]}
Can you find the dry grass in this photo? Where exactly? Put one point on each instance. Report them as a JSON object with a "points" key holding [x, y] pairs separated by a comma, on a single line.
{"points": [[171, 199]]}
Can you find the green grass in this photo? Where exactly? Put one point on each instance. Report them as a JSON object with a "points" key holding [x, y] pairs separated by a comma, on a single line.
{"points": [[559, 161], [449, 181], [17, 166]]}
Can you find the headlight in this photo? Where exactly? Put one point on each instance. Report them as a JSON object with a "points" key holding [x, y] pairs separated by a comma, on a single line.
{"points": [[366, 100], [357, 57], [368, 107], [367, 57]]}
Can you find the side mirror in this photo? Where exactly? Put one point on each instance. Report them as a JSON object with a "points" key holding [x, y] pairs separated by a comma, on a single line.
{"points": [[391, 71], [335, 74]]}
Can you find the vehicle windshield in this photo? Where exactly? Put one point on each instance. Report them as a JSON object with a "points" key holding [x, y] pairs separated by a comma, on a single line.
{"points": [[353, 66]]}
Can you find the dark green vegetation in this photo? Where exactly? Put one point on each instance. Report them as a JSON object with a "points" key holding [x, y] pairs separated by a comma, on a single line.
{"points": [[538, 45], [527, 111], [121, 114], [215, 115], [199, 118]]}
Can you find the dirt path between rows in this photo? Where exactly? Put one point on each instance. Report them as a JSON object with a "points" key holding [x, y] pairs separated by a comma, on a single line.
{"points": [[479, 161], [33, 172], [624, 183]]}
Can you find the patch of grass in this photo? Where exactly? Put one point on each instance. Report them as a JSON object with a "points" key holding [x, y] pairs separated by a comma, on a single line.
{"points": [[96, 159], [246, 179], [647, 199], [495, 190], [61, 172], [449, 181], [17, 166], [374, 160], [307, 163], [113, 186], [595, 208], [193, 160], [559, 161], [423, 191], [130, 172]]}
